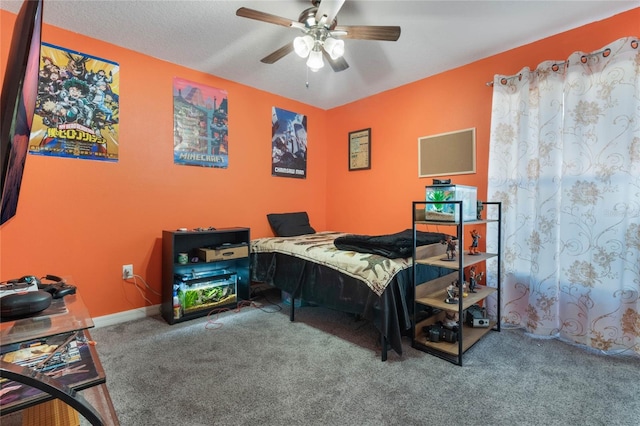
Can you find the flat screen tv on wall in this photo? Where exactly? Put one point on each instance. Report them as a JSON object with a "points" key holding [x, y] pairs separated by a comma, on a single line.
{"points": [[17, 104]]}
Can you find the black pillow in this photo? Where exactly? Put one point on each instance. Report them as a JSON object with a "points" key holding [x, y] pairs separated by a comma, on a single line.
{"points": [[290, 224]]}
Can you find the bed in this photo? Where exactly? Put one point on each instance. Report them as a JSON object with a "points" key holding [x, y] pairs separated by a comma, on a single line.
{"points": [[357, 274]]}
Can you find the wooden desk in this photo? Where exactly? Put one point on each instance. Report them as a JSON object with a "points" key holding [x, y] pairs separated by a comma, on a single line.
{"points": [[28, 386]]}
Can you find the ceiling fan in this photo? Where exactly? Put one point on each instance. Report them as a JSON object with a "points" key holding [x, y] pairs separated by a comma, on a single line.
{"points": [[322, 37]]}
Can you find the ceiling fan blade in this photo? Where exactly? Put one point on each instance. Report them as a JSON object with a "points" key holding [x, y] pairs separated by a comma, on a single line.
{"points": [[278, 54], [245, 12], [337, 65], [370, 32], [330, 9]]}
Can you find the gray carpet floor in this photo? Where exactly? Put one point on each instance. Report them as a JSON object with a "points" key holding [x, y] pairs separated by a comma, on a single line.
{"points": [[254, 366]]}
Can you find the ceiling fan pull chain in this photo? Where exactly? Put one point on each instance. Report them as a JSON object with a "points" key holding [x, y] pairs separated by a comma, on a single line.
{"points": [[307, 80]]}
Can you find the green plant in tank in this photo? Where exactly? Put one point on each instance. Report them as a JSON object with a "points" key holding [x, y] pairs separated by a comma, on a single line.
{"points": [[197, 296], [438, 195], [189, 298]]}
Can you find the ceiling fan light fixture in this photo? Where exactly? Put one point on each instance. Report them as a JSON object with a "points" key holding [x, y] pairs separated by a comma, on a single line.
{"points": [[321, 35], [315, 61], [303, 45], [334, 47]]}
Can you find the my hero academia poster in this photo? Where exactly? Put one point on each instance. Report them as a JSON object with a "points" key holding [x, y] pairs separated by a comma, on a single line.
{"points": [[77, 108], [288, 144], [200, 125]]}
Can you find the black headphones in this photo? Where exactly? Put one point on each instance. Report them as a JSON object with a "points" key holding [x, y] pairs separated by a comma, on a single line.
{"points": [[54, 278], [30, 279]]}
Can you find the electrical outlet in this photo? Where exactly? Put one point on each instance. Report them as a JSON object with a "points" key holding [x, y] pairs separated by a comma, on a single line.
{"points": [[127, 271]]}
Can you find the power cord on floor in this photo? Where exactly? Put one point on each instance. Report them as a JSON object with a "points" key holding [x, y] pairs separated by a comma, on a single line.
{"points": [[135, 278], [260, 292]]}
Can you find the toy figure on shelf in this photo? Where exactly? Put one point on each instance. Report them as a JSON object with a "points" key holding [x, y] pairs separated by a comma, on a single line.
{"points": [[453, 292], [474, 279], [473, 248], [479, 209], [451, 321], [451, 247]]}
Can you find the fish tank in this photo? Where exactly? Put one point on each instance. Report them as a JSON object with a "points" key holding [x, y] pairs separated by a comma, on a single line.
{"points": [[206, 290], [442, 211]]}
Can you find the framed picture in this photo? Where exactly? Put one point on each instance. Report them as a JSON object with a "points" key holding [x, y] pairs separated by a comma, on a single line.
{"points": [[452, 153], [360, 149]]}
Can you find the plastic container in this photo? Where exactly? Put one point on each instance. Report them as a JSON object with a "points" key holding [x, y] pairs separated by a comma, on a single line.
{"points": [[177, 307]]}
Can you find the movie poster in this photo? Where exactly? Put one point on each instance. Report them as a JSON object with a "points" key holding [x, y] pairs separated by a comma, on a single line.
{"points": [[77, 108], [288, 144], [200, 125]]}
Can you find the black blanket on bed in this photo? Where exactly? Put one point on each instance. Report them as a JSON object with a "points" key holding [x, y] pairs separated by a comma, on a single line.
{"points": [[392, 246]]}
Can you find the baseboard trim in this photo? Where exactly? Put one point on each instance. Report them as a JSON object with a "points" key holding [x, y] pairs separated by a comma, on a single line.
{"points": [[124, 316]]}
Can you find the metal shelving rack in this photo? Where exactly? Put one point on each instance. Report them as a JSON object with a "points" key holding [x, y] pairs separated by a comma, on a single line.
{"points": [[432, 293]]}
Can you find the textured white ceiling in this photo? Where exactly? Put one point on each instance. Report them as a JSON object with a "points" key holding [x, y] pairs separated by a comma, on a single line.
{"points": [[207, 35]]}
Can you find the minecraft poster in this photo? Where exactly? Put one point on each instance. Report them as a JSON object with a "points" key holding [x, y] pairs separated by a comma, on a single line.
{"points": [[77, 107], [288, 144], [200, 125]]}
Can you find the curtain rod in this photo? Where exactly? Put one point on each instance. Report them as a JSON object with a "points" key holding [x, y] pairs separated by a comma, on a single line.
{"points": [[555, 67]]}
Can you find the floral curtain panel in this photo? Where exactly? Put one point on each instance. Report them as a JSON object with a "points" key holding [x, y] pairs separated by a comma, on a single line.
{"points": [[565, 162]]}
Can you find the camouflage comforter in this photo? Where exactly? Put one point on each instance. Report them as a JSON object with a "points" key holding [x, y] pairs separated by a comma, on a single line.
{"points": [[374, 270]]}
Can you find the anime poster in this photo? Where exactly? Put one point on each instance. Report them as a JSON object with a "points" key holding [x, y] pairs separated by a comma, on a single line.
{"points": [[288, 144], [77, 108], [200, 127]]}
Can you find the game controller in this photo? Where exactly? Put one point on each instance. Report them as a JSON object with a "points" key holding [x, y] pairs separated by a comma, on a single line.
{"points": [[58, 289]]}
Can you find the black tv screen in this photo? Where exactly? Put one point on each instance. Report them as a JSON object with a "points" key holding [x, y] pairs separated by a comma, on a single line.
{"points": [[17, 104]]}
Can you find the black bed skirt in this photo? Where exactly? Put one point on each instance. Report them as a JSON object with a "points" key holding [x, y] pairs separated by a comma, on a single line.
{"points": [[390, 313]]}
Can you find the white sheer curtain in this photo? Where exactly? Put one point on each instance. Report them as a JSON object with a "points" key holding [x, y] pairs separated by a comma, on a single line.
{"points": [[565, 162]]}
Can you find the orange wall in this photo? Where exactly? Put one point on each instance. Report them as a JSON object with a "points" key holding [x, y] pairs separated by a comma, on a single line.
{"points": [[379, 200], [86, 219]]}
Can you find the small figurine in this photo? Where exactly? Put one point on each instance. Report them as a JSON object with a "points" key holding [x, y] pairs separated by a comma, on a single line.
{"points": [[453, 292], [473, 248], [451, 247], [451, 320], [479, 208], [473, 279]]}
